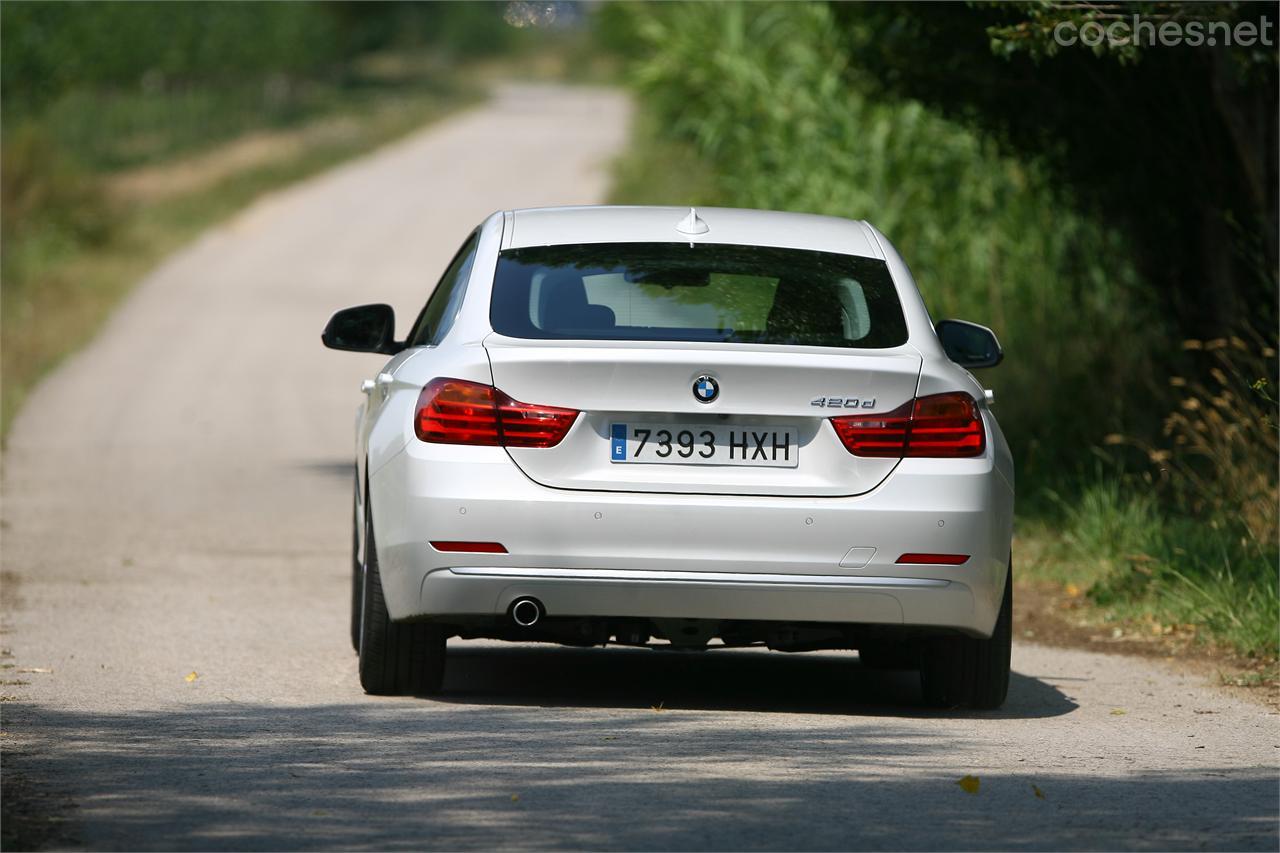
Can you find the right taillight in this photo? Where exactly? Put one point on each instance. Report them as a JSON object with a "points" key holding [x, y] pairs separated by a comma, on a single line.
{"points": [[940, 425], [455, 411]]}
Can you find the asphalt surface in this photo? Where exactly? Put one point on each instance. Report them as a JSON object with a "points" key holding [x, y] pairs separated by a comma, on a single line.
{"points": [[176, 501]]}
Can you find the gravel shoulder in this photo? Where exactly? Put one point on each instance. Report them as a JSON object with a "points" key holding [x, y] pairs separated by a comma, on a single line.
{"points": [[175, 534]]}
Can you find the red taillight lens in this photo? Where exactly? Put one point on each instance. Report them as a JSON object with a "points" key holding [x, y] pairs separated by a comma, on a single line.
{"points": [[524, 425], [470, 547], [946, 425], [935, 559], [454, 411], [940, 425], [875, 435]]}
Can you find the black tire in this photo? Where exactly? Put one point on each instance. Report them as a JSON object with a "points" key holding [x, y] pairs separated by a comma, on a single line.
{"points": [[956, 671], [396, 658], [889, 655], [357, 572]]}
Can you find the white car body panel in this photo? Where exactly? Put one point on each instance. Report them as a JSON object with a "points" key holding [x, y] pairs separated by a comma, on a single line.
{"points": [[549, 226], [474, 493], [589, 540]]}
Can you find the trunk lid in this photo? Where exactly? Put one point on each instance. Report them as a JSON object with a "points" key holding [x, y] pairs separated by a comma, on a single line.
{"points": [[762, 388]]}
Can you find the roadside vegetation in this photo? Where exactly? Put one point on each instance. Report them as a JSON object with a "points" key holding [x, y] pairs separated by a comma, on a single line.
{"points": [[1140, 400], [128, 128]]}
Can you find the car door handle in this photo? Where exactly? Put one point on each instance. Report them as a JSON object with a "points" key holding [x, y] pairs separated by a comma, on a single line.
{"points": [[366, 386]]}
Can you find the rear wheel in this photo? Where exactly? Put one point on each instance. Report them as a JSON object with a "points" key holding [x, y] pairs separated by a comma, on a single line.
{"points": [[395, 657], [966, 671], [357, 571]]}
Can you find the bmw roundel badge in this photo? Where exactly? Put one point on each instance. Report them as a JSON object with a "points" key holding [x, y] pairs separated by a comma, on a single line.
{"points": [[705, 389]]}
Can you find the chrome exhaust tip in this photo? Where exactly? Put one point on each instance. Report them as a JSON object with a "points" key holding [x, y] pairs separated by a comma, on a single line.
{"points": [[526, 612]]}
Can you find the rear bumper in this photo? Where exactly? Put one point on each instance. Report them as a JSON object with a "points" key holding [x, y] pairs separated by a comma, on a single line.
{"points": [[698, 595], [727, 557]]}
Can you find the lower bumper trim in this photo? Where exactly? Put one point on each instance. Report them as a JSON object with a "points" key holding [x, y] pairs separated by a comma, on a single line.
{"points": [[473, 591], [518, 573]]}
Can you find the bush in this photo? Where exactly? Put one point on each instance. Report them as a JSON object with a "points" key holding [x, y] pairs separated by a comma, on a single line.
{"points": [[1214, 559], [1223, 441], [47, 199], [50, 48]]}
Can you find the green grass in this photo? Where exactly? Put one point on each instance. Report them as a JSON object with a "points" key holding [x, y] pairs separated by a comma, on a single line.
{"points": [[1137, 560], [72, 250]]}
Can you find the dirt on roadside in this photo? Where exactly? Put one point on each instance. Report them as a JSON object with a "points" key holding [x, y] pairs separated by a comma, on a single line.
{"points": [[1049, 614]]}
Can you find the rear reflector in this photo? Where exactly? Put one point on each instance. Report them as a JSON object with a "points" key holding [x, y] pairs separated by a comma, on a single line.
{"points": [[940, 425], [455, 411], [935, 559], [473, 547]]}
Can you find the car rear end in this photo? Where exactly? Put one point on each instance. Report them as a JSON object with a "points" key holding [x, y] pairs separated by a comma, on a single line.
{"points": [[747, 434]]}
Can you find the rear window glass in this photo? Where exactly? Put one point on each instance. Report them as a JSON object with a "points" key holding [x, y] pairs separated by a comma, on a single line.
{"points": [[703, 292]]}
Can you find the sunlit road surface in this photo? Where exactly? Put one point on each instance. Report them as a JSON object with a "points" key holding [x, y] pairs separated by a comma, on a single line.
{"points": [[176, 501]]}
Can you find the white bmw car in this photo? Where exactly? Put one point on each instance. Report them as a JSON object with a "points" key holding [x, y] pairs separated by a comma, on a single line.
{"points": [[691, 429]]}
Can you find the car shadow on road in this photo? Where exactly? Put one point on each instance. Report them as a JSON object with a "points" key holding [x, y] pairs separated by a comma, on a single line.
{"points": [[725, 680], [341, 468], [388, 773]]}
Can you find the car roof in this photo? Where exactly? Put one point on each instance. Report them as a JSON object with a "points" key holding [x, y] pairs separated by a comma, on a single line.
{"points": [[548, 226]]}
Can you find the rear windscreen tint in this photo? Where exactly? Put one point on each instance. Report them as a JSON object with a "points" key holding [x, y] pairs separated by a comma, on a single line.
{"points": [[703, 292]]}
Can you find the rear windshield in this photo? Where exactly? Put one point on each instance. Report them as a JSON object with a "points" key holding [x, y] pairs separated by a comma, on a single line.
{"points": [[703, 292]]}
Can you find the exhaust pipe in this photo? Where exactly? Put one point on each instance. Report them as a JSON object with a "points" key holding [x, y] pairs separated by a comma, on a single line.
{"points": [[526, 612]]}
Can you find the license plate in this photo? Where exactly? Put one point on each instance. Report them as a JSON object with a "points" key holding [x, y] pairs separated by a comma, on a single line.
{"points": [[700, 444]]}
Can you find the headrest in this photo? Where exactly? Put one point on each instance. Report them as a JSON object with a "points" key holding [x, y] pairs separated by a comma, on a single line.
{"points": [[805, 310], [564, 306]]}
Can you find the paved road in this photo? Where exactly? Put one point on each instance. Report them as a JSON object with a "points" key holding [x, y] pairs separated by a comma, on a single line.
{"points": [[176, 501]]}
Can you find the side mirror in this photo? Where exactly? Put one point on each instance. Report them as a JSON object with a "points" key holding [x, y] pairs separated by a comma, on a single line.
{"points": [[968, 344], [365, 328]]}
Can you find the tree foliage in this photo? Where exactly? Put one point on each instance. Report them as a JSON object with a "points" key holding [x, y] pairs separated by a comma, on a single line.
{"points": [[53, 48], [1176, 146]]}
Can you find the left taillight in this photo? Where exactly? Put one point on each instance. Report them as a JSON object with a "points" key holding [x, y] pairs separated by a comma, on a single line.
{"points": [[455, 411], [940, 425]]}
